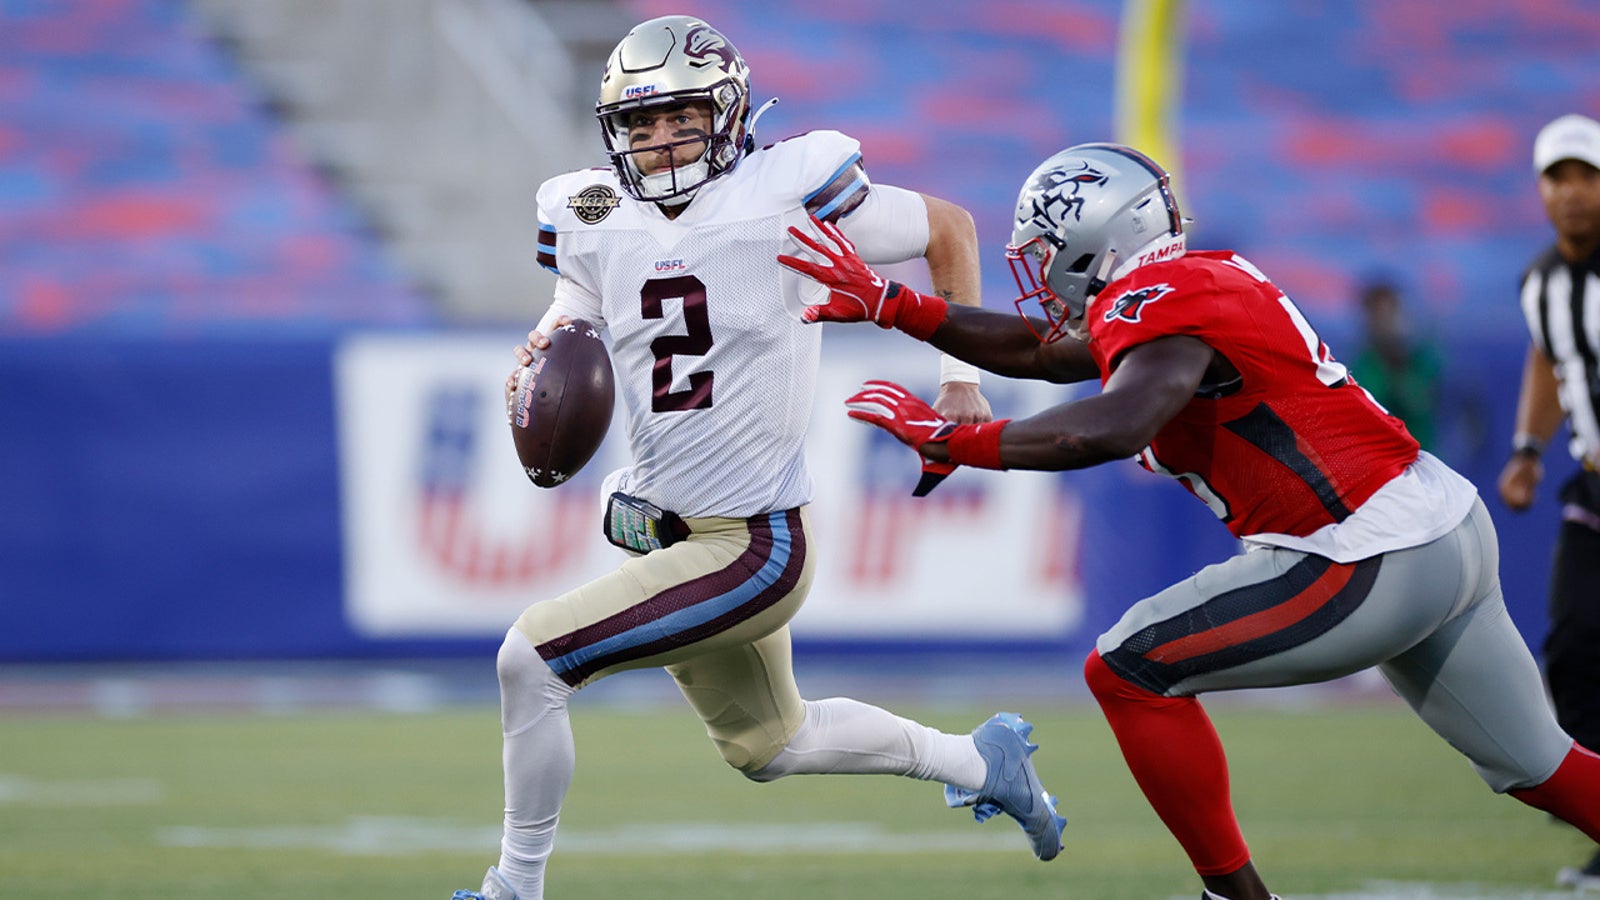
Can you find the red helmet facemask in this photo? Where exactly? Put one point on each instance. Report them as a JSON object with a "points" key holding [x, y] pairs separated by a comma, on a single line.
{"points": [[1028, 263]]}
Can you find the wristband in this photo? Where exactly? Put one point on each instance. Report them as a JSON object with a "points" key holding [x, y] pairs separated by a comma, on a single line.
{"points": [[957, 370], [977, 445], [1527, 444], [915, 313]]}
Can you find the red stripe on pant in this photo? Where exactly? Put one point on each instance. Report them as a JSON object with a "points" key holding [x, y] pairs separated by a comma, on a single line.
{"points": [[1268, 621], [1176, 757]]}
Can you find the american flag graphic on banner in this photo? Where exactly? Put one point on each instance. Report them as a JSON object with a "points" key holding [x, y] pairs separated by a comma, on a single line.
{"points": [[452, 534]]}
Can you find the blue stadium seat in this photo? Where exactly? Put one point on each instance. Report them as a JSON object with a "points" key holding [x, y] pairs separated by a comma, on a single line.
{"points": [[145, 188]]}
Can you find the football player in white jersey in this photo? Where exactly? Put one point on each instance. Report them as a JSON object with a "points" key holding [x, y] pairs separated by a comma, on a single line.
{"points": [[673, 251]]}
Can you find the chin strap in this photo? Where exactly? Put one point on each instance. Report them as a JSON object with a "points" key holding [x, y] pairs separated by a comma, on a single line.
{"points": [[666, 181], [1108, 264]]}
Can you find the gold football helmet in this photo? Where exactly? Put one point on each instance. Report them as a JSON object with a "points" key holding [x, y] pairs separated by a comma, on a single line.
{"points": [[665, 62]]}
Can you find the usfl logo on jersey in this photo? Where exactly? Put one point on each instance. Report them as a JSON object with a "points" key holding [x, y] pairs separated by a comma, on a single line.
{"points": [[1129, 306]]}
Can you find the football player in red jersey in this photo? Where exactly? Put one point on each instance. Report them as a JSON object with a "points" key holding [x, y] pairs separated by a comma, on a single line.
{"points": [[1363, 550]]}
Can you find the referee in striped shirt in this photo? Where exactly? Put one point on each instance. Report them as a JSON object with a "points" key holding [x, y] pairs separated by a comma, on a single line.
{"points": [[1561, 382]]}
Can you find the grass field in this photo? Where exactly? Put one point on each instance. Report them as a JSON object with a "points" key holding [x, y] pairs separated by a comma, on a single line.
{"points": [[1348, 801]]}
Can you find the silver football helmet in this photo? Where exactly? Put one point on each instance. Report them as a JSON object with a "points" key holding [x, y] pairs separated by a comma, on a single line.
{"points": [[1085, 217], [665, 62]]}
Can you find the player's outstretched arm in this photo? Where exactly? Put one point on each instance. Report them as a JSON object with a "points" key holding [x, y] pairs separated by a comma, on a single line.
{"points": [[856, 293], [1153, 382], [1003, 344], [992, 340]]}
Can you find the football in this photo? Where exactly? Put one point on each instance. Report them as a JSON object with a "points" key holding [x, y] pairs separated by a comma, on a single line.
{"points": [[561, 408]]}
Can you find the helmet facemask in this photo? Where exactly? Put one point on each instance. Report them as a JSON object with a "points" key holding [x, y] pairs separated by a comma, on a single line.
{"points": [[1031, 264], [676, 183]]}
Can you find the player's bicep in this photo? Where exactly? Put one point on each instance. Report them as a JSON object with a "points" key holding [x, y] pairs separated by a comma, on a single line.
{"points": [[1156, 379], [890, 225]]}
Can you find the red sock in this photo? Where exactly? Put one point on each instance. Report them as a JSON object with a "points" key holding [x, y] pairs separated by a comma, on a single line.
{"points": [[1176, 756], [1572, 793]]}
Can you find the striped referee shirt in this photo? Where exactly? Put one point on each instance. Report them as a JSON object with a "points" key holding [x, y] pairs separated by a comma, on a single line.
{"points": [[1561, 302]]}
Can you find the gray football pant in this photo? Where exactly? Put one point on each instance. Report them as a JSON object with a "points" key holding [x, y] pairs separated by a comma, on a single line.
{"points": [[1432, 619]]}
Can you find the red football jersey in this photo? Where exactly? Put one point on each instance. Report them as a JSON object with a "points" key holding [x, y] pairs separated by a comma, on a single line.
{"points": [[1290, 446]]}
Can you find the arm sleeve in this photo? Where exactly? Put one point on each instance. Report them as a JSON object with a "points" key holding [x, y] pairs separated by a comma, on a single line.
{"points": [[890, 225], [571, 299]]}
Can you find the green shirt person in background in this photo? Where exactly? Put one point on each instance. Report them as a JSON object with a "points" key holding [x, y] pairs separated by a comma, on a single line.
{"points": [[1399, 369]]}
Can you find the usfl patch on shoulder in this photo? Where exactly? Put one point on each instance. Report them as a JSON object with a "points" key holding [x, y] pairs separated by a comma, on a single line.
{"points": [[593, 203]]}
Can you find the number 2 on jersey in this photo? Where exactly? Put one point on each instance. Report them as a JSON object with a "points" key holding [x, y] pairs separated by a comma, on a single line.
{"points": [[692, 291]]}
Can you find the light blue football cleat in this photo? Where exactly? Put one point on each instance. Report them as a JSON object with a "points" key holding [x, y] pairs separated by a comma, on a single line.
{"points": [[1012, 785], [494, 888]]}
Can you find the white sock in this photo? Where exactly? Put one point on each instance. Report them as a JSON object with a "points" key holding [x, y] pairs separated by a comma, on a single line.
{"points": [[538, 757], [844, 736]]}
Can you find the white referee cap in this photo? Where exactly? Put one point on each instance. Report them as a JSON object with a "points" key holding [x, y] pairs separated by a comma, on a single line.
{"points": [[1569, 137]]}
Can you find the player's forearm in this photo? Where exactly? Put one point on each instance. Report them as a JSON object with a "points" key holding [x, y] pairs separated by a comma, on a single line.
{"points": [[1155, 381], [952, 254], [1002, 343], [1071, 436]]}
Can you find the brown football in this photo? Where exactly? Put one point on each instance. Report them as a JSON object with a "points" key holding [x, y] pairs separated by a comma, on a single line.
{"points": [[562, 405]]}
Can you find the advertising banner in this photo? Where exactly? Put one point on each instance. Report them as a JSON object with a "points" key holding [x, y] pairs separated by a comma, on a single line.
{"points": [[445, 536]]}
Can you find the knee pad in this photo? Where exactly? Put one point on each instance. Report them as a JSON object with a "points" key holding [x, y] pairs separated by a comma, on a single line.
{"points": [[761, 756], [528, 687], [1109, 687], [770, 759], [763, 774], [751, 752], [1103, 683]]}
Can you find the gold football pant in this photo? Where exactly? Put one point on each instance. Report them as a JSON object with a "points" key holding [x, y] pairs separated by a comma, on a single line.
{"points": [[713, 609]]}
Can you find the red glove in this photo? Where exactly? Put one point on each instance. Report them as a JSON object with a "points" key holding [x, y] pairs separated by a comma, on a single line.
{"points": [[914, 423], [858, 294]]}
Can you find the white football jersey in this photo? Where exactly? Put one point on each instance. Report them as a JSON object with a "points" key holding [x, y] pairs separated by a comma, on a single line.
{"points": [[715, 369]]}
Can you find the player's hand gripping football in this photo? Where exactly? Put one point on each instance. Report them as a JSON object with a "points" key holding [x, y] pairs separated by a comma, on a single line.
{"points": [[524, 354], [855, 292], [913, 422]]}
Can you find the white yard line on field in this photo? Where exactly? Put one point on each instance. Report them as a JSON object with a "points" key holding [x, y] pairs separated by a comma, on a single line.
{"points": [[377, 836], [20, 790], [364, 836]]}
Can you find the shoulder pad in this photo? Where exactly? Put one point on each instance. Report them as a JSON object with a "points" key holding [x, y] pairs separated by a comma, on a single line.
{"points": [[584, 197], [827, 171]]}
